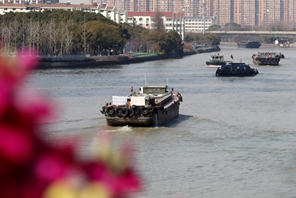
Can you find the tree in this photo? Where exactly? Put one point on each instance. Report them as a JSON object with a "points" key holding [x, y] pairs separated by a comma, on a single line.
{"points": [[212, 39], [188, 37], [104, 35], [158, 22], [167, 43], [174, 41], [233, 26], [214, 27]]}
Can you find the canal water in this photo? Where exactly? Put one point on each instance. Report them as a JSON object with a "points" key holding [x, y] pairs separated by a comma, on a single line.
{"points": [[235, 136]]}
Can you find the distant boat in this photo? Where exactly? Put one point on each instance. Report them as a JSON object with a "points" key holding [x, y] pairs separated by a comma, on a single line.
{"points": [[249, 44], [215, 60], [236, 69], [266, 58]]}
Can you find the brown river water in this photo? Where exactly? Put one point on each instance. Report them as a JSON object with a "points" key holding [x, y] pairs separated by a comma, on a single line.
{"points": [[235, 136]]}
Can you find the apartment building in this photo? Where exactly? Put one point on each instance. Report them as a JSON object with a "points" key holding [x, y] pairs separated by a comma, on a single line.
{"points": [[171, 20], [289, 13], [109, 12], [249, 12], [28, 1], [209, 8], [196, 25], [243, 12], [225, 16], [269, 12], [190, 8]]}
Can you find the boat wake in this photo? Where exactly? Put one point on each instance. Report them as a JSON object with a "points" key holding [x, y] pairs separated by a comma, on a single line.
{"points": [[122, 129]]}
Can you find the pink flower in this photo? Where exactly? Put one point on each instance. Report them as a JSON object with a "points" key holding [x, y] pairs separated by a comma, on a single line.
{"points": [[118, 183], [29, 166], [51, 167], [16, 146], [12, 73]]}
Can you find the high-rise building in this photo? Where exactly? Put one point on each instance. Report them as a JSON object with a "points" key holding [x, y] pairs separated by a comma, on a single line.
{"points": [[29, 1], [269, 12], [177, 5], [192, 8], [245, 12], [223, 11], [289, 13], [209, 8]]}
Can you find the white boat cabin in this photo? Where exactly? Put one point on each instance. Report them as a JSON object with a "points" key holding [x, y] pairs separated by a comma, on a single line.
{"points": [[148, 95], [217, 57], [154, 89]]}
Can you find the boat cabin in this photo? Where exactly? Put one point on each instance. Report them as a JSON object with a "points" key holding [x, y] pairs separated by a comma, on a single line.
{"points": [[149, 95], [267, 55], [232, 65], [217, 57], [154, 89]]}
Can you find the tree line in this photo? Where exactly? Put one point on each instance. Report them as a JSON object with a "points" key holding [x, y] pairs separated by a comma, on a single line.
{"points": [[59, 33], [55, 32], [203, 39]]}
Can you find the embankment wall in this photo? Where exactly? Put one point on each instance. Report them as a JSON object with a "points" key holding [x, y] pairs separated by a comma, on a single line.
{"points": [[97, 61]]}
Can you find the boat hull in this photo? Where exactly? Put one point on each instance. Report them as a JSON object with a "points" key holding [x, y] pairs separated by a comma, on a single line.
{"points": [[240, 74], [159, 117], [236, 73], [266, 61], [214, 64], [253, 44]]}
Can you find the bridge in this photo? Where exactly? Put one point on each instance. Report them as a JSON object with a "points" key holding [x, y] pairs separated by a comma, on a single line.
{"points": [[279, 34]]}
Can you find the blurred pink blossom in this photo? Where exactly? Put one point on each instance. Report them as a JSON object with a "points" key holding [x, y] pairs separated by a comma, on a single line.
{"points": [[31, 167]]}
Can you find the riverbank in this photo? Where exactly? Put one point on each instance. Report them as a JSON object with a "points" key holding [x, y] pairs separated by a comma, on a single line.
{"points": [[97, 61]]}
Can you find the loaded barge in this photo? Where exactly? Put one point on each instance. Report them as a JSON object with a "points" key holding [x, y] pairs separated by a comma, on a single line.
{"points": [[266, 58], [152, 106]]}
